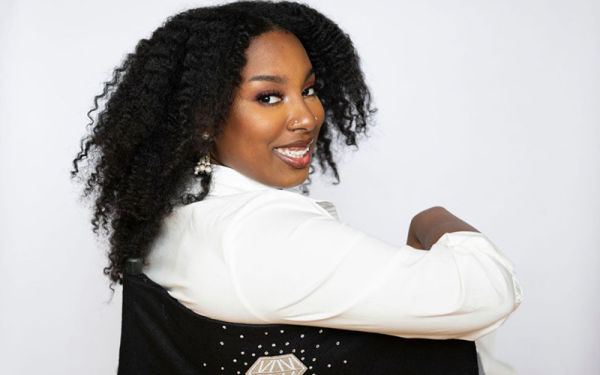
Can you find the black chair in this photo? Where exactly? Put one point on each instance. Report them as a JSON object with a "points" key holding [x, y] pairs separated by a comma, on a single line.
{"points": [[161, 336]]}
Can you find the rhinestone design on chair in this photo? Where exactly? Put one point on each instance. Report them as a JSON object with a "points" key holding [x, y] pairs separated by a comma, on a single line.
{"points": [[284, 363], [287, 364]]}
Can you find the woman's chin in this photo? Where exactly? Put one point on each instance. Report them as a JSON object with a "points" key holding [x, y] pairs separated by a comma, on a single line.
{"points": [[290, 178], [292, 182]]}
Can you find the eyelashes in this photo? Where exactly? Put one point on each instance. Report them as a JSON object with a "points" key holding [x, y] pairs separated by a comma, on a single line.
{"points": [[310, 91], [267, 97], [271, 97]]}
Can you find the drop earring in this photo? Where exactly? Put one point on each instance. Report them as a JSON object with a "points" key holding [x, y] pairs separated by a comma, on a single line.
{"points": [[203, 166]]}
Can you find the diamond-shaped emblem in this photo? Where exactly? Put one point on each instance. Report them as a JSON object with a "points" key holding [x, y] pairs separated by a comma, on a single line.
{"points": [[287, 364]]}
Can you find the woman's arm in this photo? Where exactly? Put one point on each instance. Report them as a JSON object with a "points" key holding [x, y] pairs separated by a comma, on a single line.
{"points": [[427, 227], [293, 264]]}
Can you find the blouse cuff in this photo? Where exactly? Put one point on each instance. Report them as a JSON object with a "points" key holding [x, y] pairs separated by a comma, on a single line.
{"points": [[475, 241]]}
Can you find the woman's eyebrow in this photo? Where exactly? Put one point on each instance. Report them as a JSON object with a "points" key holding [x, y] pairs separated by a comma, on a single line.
{"points": [[278, 79]]}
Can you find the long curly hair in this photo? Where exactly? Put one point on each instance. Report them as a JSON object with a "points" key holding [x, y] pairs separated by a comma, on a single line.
{"points": [[143, 145]]}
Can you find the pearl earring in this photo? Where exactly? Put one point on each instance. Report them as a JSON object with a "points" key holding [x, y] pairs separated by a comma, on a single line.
{"points": [[203, 166]]}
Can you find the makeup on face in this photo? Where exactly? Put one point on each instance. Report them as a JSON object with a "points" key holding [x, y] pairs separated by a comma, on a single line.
{"points": [[274, 123]]}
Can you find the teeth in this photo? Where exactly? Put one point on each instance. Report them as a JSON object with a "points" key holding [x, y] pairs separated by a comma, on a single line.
{"points": [[293, 154]]}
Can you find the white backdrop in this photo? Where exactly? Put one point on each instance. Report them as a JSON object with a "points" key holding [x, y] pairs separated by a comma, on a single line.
{"points": [[487, 108]]}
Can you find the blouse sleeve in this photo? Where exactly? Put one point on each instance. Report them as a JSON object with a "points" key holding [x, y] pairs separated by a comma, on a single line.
{"points": [[293, 263]]}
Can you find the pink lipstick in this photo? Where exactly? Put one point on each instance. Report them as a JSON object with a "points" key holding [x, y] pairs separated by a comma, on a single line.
{"points": [[296, 154]]}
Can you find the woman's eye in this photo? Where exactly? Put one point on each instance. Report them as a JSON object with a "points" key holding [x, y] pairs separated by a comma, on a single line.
{"points": [[269, 99], [309, 91]]}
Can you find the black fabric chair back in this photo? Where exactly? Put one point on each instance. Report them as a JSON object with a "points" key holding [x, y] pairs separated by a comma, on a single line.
{"points": [[161, 336]]}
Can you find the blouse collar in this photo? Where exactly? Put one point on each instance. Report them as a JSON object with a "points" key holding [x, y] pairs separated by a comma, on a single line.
{"points": [[228, 181]]}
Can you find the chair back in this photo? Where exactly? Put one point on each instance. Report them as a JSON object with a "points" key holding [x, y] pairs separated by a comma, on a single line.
{"points": [[161, 336]]}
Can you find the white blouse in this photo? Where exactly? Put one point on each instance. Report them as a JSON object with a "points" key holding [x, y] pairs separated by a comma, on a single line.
{"points": [[249, 253]]}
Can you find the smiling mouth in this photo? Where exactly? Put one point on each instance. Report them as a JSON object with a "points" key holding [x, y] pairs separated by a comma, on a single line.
{"points": [[298, 157], [292, 153], [295, 152]]}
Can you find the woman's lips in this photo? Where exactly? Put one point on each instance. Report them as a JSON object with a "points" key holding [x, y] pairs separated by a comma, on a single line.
{"points": [[297, 157]]}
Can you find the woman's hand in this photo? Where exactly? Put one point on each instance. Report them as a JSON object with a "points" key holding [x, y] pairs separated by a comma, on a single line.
{"points": [[428, 226]]}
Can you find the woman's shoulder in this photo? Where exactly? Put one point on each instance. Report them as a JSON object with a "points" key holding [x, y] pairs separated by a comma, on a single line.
{"points": [[254, 204], [282, 203]]}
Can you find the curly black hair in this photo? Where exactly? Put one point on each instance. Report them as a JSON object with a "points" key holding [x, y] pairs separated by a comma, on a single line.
{"points": [[179, 83]]}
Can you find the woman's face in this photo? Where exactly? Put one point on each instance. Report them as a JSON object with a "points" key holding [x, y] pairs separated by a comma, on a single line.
{"points": [[276, 116]]}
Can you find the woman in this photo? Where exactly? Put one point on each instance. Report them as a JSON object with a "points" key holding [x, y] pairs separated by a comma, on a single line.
{"points": [[206, 124]]}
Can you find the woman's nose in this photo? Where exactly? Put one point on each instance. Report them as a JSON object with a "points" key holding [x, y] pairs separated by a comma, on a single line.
{"points": [[302, 118]]}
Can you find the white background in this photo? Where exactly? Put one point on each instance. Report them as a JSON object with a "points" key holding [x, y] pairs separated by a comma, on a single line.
{"points": [[487, 108]]}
